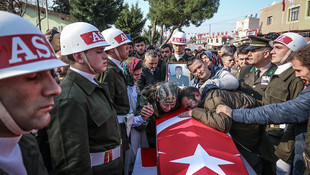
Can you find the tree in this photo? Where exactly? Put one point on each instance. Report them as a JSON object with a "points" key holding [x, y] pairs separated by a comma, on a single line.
{"points": [[131, 21], [174, 14], [61, 6], [101, 13], [14, 6], [147, 35]]}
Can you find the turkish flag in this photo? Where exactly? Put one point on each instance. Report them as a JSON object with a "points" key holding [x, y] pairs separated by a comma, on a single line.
{"points": [[186, 146]]}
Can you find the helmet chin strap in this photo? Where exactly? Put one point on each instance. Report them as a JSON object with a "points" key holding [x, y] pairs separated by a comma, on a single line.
{"points": [[9, 122], [285, 57], [84, 57], [117, 54]]}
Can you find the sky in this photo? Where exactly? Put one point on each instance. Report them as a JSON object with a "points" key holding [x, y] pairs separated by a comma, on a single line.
{"points": [[228, 13]]}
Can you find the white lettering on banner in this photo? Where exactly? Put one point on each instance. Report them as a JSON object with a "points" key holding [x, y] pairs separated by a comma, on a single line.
{"points": [[96, 37], [18, 42], [124, 38], [47, 53]]}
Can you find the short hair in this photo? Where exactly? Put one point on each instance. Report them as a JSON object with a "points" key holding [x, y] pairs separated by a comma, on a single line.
{"points": [[227, 50], [302, 55], [242, 50], [151, 47], [192, 59], [139, 39], [187, 49], [188, 92], [178, 67], [165, 46], [130, 43], [151, 53]]}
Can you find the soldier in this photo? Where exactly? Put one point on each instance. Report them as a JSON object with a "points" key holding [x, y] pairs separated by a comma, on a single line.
{"points": [[114, 76], [27, 89], [84, 133], [277, 144], [178, 42], [250, 76], [292, 111]]}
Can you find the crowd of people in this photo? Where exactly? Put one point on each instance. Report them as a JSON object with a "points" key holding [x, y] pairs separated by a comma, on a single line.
{"points": [[82, 101]]}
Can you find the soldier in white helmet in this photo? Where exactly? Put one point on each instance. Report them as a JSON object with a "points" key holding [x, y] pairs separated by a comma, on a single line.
{"points": [[179, 43], [84, 134], [277, 144], [114, 76], [27, 89]]}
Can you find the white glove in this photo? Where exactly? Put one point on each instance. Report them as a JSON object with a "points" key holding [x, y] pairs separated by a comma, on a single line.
{"points": [[283, 168]]}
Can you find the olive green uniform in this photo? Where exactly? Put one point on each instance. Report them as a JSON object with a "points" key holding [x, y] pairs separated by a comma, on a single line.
{"points": [[83, 121], [251, 87], [277, 144], [172, 59], [115, 79]]}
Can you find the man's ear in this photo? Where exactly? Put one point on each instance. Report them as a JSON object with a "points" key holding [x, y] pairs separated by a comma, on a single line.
{"points": [[78, 58], [267, 53]]}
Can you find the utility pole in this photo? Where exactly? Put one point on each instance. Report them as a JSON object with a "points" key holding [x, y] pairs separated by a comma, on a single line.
{"points": [[39, 18], [46, 14]]}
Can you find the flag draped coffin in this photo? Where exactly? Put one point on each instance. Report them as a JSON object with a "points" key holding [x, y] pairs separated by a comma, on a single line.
{"points": [[186, 146]]}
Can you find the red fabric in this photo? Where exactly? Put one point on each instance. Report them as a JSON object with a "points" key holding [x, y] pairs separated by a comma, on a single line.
{"points": [[92, 37], [148, 157], [182, 140], [283, 5], [121, 38], [22, 49], [284, 39]]}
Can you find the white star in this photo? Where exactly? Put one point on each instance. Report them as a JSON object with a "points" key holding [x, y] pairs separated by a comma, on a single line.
{"points": [[202, 159]]}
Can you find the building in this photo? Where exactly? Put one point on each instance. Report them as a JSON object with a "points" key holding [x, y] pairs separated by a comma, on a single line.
{"points": [[245, 27], [55, 19], [294, 17]]}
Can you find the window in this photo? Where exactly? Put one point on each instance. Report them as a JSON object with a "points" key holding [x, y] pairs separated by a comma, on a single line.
{"points": [[294, 14], [217, 40], [269, 20]]}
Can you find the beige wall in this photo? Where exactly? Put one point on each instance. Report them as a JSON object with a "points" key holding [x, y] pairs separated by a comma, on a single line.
{"points": [[54, 21], [302, 24]]}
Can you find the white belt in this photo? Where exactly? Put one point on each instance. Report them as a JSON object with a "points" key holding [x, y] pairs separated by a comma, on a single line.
{"points": [[105, 157]]}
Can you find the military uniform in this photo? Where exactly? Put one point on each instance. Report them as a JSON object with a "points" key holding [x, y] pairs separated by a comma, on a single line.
{"points": [[84, 131], [32, 158], [172, 59], [114, 77], [251, 87], [277, 144]]}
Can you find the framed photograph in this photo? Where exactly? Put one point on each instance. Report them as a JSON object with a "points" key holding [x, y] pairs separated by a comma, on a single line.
{"points": [[178, 73]]}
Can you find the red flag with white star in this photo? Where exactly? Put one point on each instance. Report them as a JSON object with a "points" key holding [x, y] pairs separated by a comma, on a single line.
{"points": [[186, 146]]}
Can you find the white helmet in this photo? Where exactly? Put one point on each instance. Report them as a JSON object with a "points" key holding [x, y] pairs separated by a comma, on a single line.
{"points": [[291, 40], [24, 49], [115, 37], [80, 36], [179, 38]]}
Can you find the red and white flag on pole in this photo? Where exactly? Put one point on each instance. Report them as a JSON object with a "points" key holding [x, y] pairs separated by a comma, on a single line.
{"points": [[186, 146]]}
